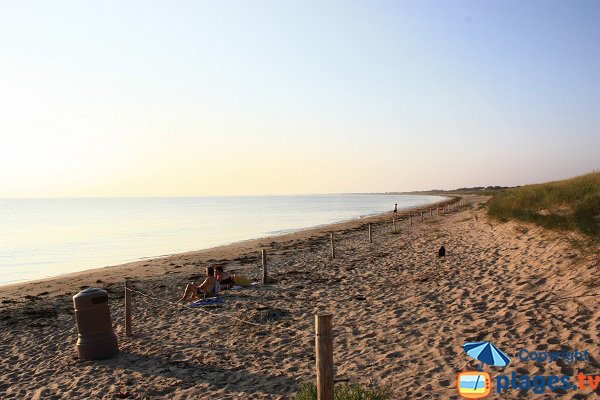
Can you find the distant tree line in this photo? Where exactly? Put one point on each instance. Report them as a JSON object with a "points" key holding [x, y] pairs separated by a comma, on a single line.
{"points": [[465, 189], [475, 188]]}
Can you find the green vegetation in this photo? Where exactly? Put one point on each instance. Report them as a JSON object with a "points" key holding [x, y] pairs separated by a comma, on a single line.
{"points": [[477, 190], [344, 391], [565, 205]]}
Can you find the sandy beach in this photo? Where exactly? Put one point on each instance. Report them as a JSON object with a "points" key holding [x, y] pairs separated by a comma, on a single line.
{"points": [[401, 314]]}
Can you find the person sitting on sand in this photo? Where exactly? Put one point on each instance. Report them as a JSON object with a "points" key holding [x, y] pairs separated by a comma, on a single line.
{"points": [[193, 290], [224, 278]]}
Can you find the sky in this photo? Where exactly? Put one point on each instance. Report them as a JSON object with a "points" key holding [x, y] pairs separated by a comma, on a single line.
{"points": [[186, 98]]}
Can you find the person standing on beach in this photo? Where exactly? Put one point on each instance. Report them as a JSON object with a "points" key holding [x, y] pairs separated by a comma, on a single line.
{"points": [[395, 209]]}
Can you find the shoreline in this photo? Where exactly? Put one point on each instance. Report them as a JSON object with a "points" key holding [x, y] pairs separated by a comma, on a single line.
{"points": [[88, 277]]}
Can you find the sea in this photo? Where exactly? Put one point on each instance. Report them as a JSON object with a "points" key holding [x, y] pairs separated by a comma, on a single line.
{"points": [[41, 238]]}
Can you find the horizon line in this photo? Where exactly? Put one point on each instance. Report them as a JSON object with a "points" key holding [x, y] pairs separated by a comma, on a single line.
{"points": [[414, 193]]}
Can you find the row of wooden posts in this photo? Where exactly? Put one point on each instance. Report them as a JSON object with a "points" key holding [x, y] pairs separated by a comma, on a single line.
{"points": [[445, 208], [323, 321], [265, 272]]}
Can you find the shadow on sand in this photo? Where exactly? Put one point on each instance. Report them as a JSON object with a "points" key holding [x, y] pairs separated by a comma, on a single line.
{"points": [[193, 373]]}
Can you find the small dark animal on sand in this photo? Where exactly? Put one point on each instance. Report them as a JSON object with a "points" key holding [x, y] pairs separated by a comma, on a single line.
{"points": [[442, 252]]}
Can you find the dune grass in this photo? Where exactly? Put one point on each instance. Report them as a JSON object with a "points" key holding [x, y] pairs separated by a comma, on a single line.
{"points": [[344, 391], [571, 204]]}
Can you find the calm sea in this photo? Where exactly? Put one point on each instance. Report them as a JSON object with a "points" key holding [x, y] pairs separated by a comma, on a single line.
{"points": [[47, 237]]}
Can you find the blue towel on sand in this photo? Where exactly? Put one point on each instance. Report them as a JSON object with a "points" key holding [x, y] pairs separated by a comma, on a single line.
{"points": [[206, 302]]}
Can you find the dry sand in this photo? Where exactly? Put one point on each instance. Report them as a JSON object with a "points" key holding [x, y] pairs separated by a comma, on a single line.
{"points": [[401, 314]]}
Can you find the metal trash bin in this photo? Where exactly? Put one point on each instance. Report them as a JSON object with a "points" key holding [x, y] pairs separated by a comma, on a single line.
{"points": [[96, 338]]}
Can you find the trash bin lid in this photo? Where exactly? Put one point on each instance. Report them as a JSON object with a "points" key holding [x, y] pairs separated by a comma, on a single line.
{"points": [[90, 291], [85, 296]]}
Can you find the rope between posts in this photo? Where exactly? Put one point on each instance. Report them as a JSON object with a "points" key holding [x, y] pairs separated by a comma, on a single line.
{"points": [[179, 305]]}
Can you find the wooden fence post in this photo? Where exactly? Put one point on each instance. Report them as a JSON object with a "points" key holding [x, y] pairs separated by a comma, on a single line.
{"points": [[370, 235], [332, 246], [128, 330], [265, 277], [394, 224], [431, 212], [410, 217], [421, 216], [324, 355]]}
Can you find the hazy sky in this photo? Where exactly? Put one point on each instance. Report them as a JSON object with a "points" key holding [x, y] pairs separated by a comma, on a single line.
{"points": [[127, 98]]}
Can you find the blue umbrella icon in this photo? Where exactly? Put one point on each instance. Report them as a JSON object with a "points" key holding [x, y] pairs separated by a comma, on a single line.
{"points": [[487, 353]]}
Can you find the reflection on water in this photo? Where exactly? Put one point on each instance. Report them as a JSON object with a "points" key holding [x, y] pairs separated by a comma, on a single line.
{"points": [[47, 237]]}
